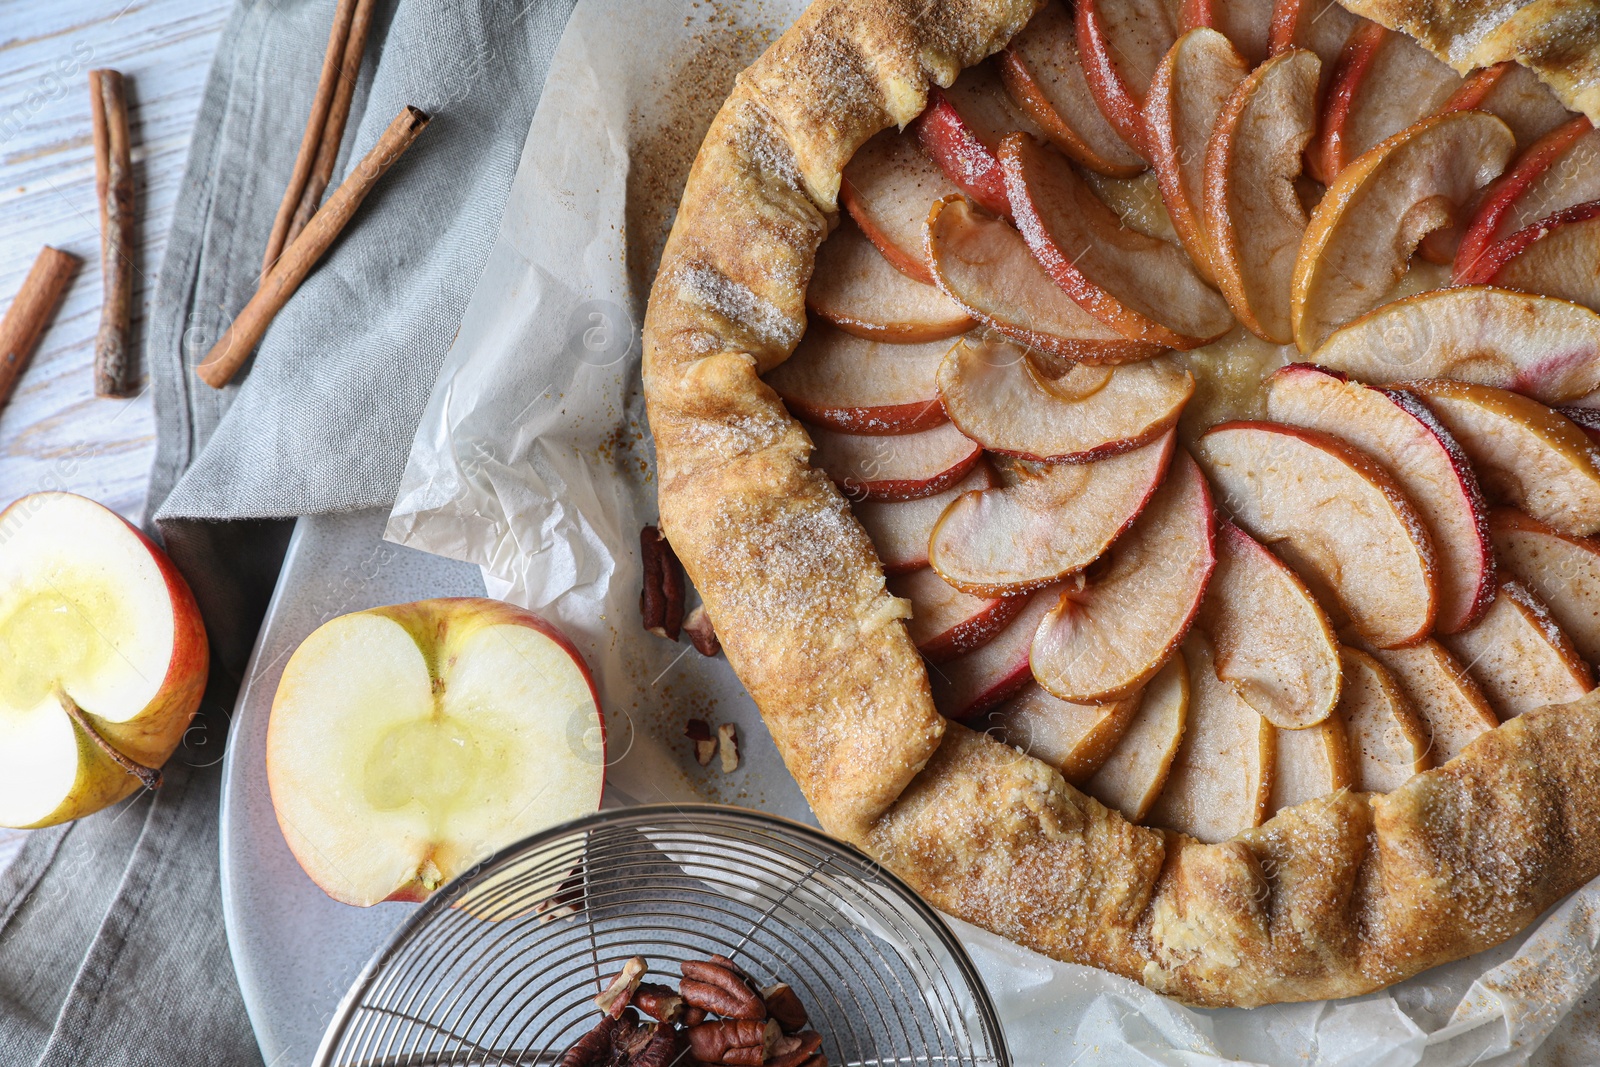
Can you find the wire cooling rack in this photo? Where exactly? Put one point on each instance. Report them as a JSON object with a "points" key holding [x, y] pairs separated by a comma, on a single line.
{"points": [[502, 965]]}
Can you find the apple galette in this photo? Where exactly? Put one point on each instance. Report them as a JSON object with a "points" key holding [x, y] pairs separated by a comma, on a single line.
{"points": [[1139, 460]]}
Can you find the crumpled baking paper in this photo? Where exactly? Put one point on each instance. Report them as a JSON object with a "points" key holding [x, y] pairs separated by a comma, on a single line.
{"points": [[533, 460]]}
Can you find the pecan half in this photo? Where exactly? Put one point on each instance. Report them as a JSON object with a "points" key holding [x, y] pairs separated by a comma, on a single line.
{"points": [[593, 1048], [615, 997], [659, 1002], [721, 990], [735, 1041], [784, 1005], [664, 1049], [693, 1016], [661, 596]]}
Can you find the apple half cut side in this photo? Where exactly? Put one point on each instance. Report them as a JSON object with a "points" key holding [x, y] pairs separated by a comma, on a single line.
{"points": [[971, 684], [1519, 656], [1269, 638], [1251, 205], [901, 467], [1539, 346], [1221, 779], [406, 743], [104, 659], [961, 130], [1247, 24], [1562, 571], [1133, 773], [1043, 72], [984, 265], [1513, 94], [1335, 516], [888, 187], [1442, 692], [1141, 286], [855, 385], [1044, 521], [945, 622], [857, 290], [1075, 739], [1557, 256], [1388, 740], [1112, 630], [996, 395], [1525, 453], [900, 529], [1394, 428], [1121, 43], [1363, 231], [1310, 764]]}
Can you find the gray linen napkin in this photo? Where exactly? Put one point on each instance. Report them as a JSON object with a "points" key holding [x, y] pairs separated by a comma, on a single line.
{"points": [[111, 940]]}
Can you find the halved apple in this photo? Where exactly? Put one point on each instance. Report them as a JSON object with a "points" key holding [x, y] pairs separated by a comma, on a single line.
{"points": [[1044, 521], [1364, 229], [1388, 740], [1133, 773], [1396, 430], [1515, 95], [1075, 739], [1322, 26], [1562, 571], [904, 467], [1269, 638], [103, 659], [1558, 256], [1140, 286], [1309, 764], [406, 743], [945, 622], [974, 683], [1221, 779], [1252, 207], [1524, 453], [1247, 24], [1335, 516], [996, 395], [1122, 42], [1519, 657], [1542, 347], [855, 385], [857, 290], [984, 265], [1043, 73], [900, 529], [1441, 691], [1112, 631], [888, 187], [961, 131]]}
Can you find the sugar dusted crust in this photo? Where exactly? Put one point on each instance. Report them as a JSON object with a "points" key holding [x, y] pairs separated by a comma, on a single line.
{"points": [[1332, 898]]}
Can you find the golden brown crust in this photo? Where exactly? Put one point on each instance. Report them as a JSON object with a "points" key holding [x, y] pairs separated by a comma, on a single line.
{"points": [[1332, 898]]}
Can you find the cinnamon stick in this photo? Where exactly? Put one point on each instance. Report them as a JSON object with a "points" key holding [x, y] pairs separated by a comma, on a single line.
{"points": [[321, 105], [31, 312], [113, 170], [235, 345]]}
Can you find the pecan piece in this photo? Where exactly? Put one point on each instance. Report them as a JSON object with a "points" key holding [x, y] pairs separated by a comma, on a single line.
{"points": [[664, 1049], [592, 1049], [796, 1050], [661, 597], [784, 1005], [659, 1002], [615, 997], [728, 746], [705, 746], [735, 1041], [701, 633], [721, 990]]}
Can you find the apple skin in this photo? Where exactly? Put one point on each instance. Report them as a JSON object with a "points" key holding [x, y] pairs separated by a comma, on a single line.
{"points": [[1500, 198]]}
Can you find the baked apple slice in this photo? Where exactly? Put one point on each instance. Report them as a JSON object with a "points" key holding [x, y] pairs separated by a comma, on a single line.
{"points": [[1075, 739], [1558, 256], [1562, 571], [972, 684], [854, 385], [1441, 691], [945, 622], [1111, 631], [888, 187], [900, 529], [1388, 740], [1514, 95], [1309, 764], [1395, 429], [984, 265], [1363, 231], [1519, 656], [1525, 454], [961, 131], [1269, 638], [1122, 42], [1044, 521], [1043, 73], [1144, 288], [1133, 773], [907, 467], [1542, 347], [1221, 778], [998, 397], [1247, 24], [857, 290], [1253, 212], [1320, 26]]}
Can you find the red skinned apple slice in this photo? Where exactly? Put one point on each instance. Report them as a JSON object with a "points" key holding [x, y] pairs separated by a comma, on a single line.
{"points": [[1269, 638], [1252, 208], [1524, 453], [1075, 739], [945, 622], [1396, 430], [900, 529], [857, 290], [1322, 26], [1043, 73], [1140, 286], [904, 467], [1562, 571], [1519, 656], [1539, 346], [1309, 764], [1110, 634], [1221, 779], [409, 742], [1335, 516], [961, 131], [853, 385], [1377, 211], [1388, 741], [1557, 256], [985, 266], [1044, 521], [104, 659], [1247, 24], [1193, 82], [1134, 772], [995, 394], [1122, 42], [1441, 691], [1515, 95], [888, 187], [972, 684]]}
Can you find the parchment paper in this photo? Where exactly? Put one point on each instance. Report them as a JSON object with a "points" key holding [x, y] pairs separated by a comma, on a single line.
{"points": [[533, 460]]}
